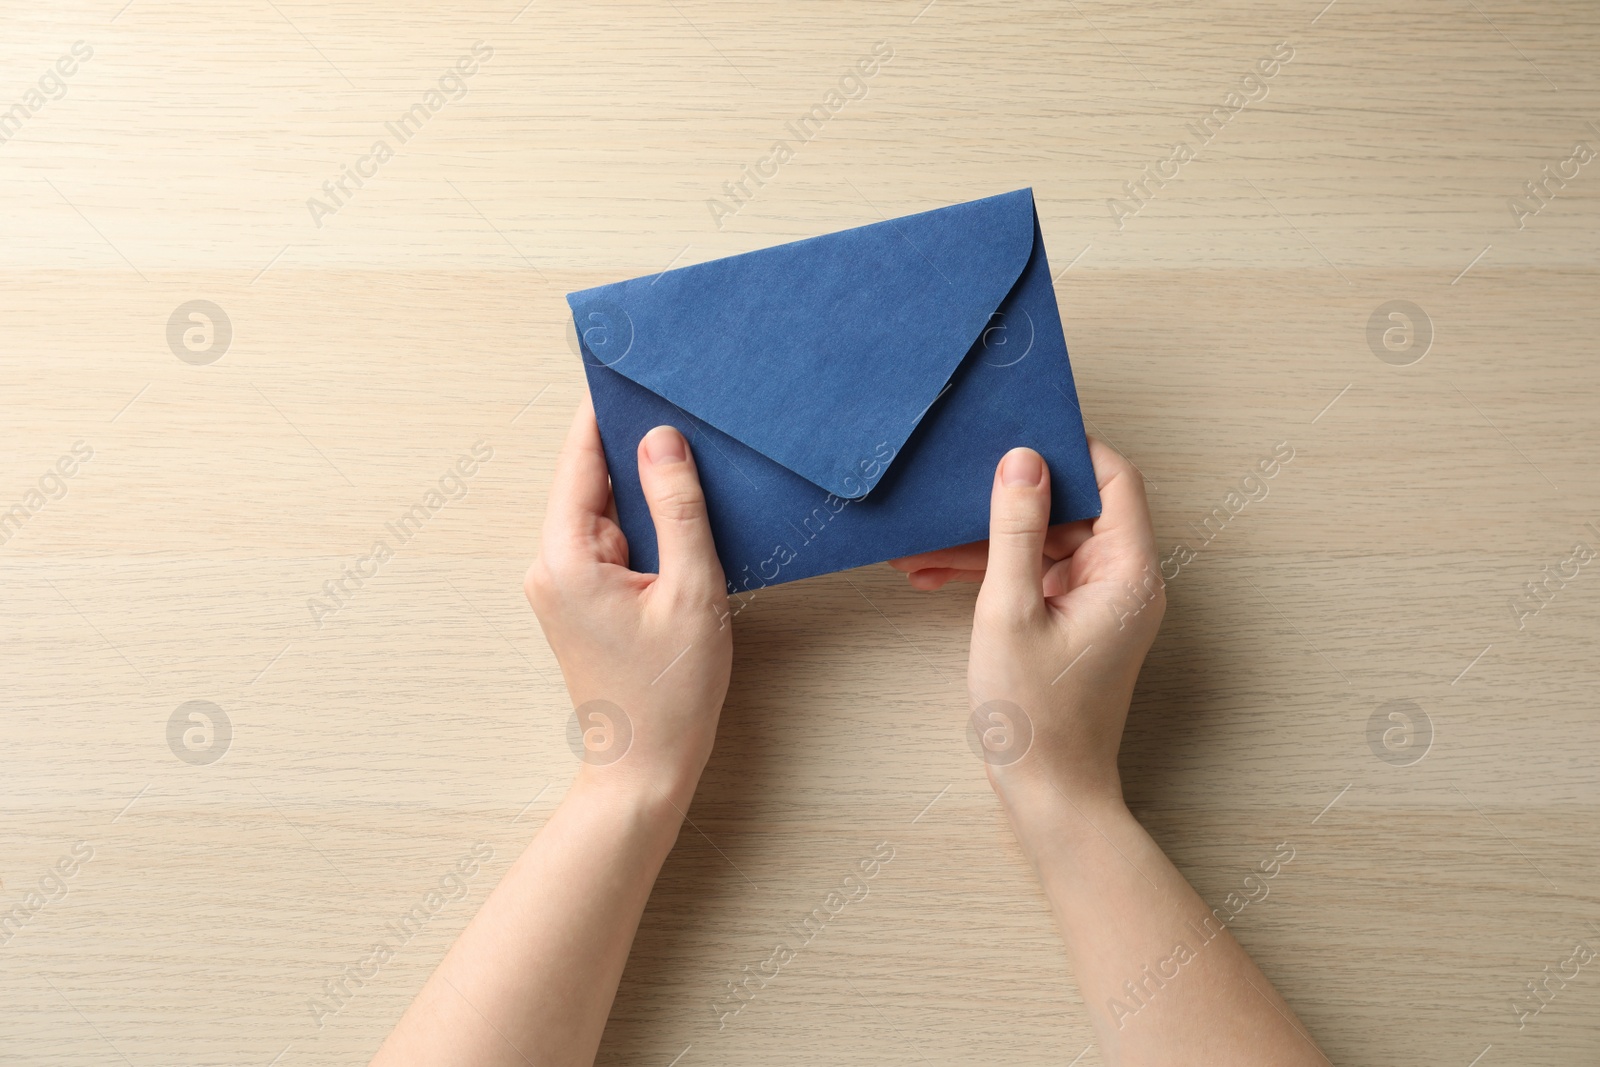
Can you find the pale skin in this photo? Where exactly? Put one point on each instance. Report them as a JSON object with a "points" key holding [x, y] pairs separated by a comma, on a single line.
{"points": [[1089, 596], [532, 977]]}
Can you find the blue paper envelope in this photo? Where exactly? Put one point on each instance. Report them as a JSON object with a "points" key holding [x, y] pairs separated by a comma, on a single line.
{"points": [[847, 396]]}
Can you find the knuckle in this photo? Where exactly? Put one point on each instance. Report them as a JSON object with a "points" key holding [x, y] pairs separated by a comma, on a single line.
{"points": [[1017, 523], [1130, 471], [1002, 610], [698, 594], [679, 503], [1115, 464], [699, 605], [613, 543], [539, 586]]}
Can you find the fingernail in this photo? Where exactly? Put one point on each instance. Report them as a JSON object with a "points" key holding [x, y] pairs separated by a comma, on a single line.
{"points": [[1022, 468], [664, 445]]}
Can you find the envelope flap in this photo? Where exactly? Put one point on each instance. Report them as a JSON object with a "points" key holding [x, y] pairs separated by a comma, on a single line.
{"points": [[822, 354]]}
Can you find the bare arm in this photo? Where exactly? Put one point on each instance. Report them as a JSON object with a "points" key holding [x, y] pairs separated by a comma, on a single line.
{"points": [[532, 978], [1063, 622], [1163, 979]]}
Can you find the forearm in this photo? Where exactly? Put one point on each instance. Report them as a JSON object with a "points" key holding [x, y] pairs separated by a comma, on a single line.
{"points": [[532, 977], [1163, 980]]}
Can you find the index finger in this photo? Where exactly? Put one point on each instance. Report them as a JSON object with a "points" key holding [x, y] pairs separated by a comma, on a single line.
{"points": [[1060, 541], [1124, 522], [580, 492]]}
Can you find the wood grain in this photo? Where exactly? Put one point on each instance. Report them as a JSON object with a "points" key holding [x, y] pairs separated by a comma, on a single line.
{"points": [[373, 747]]}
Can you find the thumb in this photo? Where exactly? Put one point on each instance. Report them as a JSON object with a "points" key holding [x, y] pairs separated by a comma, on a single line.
{"points": [[671, 483], [1019, 515]]}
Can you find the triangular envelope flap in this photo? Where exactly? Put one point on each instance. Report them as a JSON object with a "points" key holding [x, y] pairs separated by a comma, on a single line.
{"points": [[821, 354]]}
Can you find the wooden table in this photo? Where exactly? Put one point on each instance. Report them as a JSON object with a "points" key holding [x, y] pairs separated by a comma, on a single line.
{"points": [[1353, 663]]}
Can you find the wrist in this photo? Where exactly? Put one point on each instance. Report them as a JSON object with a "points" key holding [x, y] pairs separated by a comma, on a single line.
{"points": [[1046, 813], [656, 796]]}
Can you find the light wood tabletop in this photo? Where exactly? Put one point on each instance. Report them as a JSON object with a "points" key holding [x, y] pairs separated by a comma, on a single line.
{"points": [[268, 270]]}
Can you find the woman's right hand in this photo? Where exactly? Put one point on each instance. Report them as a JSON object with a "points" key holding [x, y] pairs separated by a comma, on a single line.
{"points": [[1057, 641]]}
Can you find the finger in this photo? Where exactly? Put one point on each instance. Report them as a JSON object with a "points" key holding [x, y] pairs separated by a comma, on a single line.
{"points": [[1064, 539], [581, 490], [1058, 579], [1060, 541], [1019, 512], [1123, 548], [931, 578], [688, 555], [970, 556], [1124, 510]]}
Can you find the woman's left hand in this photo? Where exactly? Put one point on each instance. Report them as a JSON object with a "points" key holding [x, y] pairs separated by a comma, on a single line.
{"points": [[646, 657]]}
